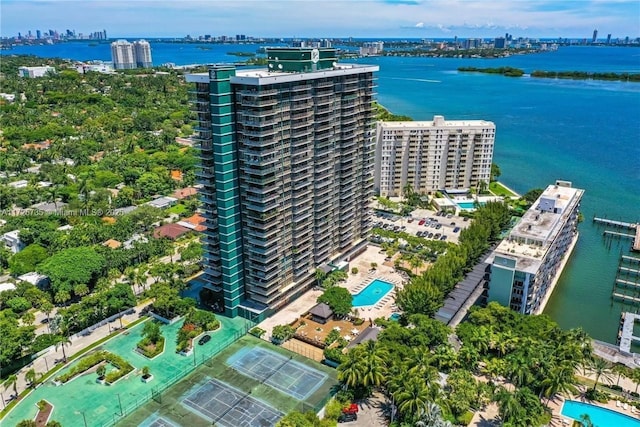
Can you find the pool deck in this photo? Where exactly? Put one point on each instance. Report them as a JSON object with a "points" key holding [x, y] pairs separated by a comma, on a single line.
{"points": [[559, 420], [354, 283]]}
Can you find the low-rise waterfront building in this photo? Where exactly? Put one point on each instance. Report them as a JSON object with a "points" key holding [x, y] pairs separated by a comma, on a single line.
{"points": [[527, 264], [34, 72], [433, 155]]}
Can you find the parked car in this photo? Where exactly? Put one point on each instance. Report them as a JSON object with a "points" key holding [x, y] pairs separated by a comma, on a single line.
{"points": [[430, 235], [410, 219], [456, 229], [453, 223], [444, 237], [205, 339], [345, 418], [449, 215], [465, 219], [422, 221], [438, 226], [436, 236]]}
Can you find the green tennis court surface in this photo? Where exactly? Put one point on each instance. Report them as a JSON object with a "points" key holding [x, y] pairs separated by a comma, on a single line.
{"points": [[237, 388]]}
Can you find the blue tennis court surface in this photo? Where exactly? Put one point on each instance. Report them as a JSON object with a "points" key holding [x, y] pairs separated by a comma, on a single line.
{"points": [[277, 371]]}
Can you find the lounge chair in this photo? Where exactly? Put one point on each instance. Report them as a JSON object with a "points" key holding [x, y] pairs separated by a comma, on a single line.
{"points": [[618, 403], [625, 406]]}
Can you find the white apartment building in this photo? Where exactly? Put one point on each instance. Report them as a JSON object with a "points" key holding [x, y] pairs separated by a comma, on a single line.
{"points": [[433, 155], [123, 55], [127, 56], [527, 264], [33, 72], [142, 50]]}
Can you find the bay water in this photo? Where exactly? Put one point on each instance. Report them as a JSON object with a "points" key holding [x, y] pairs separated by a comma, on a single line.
{"points": [[583, 131]]}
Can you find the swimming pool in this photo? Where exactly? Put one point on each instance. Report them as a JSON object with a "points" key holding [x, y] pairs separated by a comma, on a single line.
{"points": [[599, 416], [468, 205], [372, 293], [395, 317]]}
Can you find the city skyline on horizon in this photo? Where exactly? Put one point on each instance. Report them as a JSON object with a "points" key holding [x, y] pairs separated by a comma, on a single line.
{"points": [[336, 19]]}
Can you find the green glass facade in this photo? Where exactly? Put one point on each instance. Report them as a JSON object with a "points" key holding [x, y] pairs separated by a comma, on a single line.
{"points": [[225, 163]]}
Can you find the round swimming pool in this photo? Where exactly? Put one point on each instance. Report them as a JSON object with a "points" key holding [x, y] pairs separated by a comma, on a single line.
{"points": [[599, 416]]}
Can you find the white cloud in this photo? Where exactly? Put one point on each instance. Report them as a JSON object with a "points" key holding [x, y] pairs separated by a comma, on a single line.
{"points": [[420, 25]]}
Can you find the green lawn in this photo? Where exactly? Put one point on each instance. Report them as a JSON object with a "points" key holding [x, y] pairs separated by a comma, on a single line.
{"points": [[500, 190], [178, 209]]}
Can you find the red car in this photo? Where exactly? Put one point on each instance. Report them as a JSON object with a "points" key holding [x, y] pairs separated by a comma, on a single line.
{"points": [[421, 222], [351, 409]]}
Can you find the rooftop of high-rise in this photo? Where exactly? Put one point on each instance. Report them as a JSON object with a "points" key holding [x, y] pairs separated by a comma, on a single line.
{"points": [[531, 238], [438, 121]]}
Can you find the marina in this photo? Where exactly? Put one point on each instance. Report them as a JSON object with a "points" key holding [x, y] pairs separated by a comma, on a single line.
{"points": [[621, 224]]}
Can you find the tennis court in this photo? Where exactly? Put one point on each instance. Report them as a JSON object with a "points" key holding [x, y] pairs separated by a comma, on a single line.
{"points": [[157, 421], [187, 403], [277, 371], [228, 407]]}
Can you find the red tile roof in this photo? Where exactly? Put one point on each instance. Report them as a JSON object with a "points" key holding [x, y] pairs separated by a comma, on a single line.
{"points": [[183, 193], [170, 231]]}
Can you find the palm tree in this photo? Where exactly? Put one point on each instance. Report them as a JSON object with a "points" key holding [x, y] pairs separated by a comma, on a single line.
{"points": [[350, 371], [413, 399], [431, 416], [12, 380], [508, 406], [619, 370], [30, 376], [559, 379], [64, 341], [635, 376], [320, 276], [600, 368]]}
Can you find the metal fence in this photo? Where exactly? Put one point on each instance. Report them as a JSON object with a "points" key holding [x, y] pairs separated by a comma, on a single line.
{"points": [[200, 357]]}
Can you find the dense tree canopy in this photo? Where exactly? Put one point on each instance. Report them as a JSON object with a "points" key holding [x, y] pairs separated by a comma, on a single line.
{"points": [[339, 299]]}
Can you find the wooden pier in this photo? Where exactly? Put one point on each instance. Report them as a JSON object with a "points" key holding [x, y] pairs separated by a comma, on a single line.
{"points": [[621, 224], [613, 223]]}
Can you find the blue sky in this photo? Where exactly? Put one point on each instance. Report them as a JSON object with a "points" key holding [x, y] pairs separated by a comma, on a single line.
{"points": [[326, 18]]}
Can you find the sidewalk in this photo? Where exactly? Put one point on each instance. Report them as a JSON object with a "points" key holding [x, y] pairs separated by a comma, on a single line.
{"points": [[47, 361]]}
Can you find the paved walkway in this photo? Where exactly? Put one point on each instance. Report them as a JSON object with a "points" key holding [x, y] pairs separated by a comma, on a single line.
{"points": [[47, 361]]}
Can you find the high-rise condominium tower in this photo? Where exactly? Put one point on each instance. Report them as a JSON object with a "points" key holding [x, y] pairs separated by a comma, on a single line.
{"points": [[127, 56], [142, 51], [433, 155], [287, 167], [123, 55]]}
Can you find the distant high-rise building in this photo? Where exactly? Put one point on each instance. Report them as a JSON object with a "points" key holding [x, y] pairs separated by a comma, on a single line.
{"points": [[123, 55], [608, 38], [38, 34], [433, 155], [500, 43], [287, 172], [126, 56], [142, 51], [527, 264], [371, 48], [595, 36]]}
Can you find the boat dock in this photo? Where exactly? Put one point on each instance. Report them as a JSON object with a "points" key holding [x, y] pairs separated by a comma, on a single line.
{"points": [[625, 335], [621, 224], [626, 286]]}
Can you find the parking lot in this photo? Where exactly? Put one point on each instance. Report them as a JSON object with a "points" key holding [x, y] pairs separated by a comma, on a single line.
{"points": [[425, 223]]}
